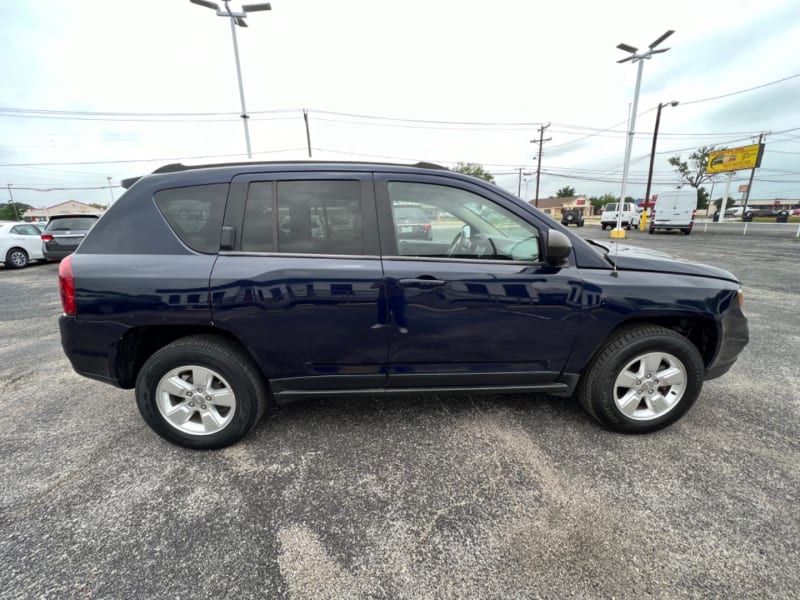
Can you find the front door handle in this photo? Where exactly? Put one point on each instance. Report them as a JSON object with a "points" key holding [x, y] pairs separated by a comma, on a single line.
{"points": [[420, 283]]}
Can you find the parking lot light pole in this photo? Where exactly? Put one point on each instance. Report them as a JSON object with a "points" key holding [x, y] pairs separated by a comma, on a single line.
{"points": [[635, 57], [237, 18]]}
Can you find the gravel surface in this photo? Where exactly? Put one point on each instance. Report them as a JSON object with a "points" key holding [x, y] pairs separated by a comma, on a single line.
{"points": [[442, 497]]}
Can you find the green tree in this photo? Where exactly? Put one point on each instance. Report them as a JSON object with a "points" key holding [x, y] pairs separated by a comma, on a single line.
{"points": [[565, 192], [98, 205], [598, 202], [10, 212], [474, 169], [693, 171]]}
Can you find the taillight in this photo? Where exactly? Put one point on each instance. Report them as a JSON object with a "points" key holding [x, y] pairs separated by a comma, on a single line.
{"points": [[46, 237], [425, 227], [694, 213], [653, 216], [66, 285]]}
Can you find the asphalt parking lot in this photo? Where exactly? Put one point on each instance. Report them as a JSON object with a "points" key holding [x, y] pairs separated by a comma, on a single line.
{"points": [[450, 497]]}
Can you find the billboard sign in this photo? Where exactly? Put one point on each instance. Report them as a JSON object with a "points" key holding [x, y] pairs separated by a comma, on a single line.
{"points": [[743, 188], [735, 159]]}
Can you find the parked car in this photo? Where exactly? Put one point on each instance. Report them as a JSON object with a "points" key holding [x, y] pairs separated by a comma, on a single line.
{"points": [[572, 216], [19, 244], [630, 215], [734, 211], [211, 323], [412, 222], [674, 209], [64, 233], [754, 211]]}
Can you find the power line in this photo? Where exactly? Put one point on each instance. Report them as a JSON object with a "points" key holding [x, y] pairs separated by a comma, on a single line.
{"points": [[750, 89], [140, 160]]}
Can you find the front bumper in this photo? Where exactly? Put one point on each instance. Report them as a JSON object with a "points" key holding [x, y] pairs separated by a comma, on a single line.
{"points": [[734, 336]]}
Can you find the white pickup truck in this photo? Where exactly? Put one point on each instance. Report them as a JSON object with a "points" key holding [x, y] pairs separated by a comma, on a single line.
{"points": [[630, 216]]}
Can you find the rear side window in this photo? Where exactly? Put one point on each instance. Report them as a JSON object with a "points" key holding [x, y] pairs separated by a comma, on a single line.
{"points": [[195, 214], [611, 207], [313, 217], [257, 233]]}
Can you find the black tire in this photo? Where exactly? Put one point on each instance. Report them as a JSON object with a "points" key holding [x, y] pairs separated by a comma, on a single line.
{"points": [[16, 258], [687, 231], [603, 226], [651, 230], [222, 357], [597, 387]]}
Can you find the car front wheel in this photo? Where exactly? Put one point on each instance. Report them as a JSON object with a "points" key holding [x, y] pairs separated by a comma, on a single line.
{"points": [[16, 258], [644, 379], [201, 392]]}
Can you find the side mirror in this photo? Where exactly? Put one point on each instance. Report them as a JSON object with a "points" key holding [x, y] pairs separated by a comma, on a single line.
{"points": [[558, 248]]}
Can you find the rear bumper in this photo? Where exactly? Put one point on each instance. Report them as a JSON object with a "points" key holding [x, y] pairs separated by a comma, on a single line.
{"points": [[734, 336], [57, 254], [670, 225], [90, 348]]}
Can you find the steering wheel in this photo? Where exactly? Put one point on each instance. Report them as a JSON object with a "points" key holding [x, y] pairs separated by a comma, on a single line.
{"points": [[461, 243], [483, 245]]}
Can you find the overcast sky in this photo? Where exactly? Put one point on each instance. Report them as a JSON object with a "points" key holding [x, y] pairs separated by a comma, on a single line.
{"points": [[503, 66]]}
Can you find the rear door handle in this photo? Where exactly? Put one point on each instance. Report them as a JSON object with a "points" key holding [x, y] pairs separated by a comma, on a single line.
{"points": [[420, 283]]}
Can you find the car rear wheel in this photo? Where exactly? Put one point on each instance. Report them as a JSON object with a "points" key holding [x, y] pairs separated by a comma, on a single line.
{"points": [[201, 392], [16, 258], [644, 379]]}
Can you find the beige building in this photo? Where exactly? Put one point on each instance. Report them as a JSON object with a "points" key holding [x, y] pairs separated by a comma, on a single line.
{"points": [[70, 207], [555, 206]]}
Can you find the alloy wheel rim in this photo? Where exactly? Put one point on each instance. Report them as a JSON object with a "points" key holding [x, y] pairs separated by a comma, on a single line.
{"points": [[650, 386], [195, 400]]}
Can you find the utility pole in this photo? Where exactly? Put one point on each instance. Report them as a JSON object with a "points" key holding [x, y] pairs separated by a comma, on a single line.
{"points": [[541, 142], [110, 191], [752, 173], [519, 182], [308, 132], [11, 201]]}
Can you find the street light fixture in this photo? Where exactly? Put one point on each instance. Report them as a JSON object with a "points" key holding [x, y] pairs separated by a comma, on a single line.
{"points": [[237, 18], [653, 149], [636, 57]]}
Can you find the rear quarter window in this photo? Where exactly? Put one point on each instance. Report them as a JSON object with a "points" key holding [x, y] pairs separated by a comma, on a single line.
{"points": [[195, 214]]}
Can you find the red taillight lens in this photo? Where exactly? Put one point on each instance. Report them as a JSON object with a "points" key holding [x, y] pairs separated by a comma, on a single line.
{"points": [[425, 227], [66, 285], [46, 237], [653, 216], [694, 212]]}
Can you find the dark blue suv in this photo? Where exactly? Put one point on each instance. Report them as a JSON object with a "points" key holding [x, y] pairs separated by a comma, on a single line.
{"points": [[215, 290]]}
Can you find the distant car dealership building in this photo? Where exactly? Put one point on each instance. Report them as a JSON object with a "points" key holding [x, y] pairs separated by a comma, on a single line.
{"points": [[70, 207]]}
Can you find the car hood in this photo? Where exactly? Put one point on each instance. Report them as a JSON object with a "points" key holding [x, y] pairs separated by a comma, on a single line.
{"points": [[645, 259]]}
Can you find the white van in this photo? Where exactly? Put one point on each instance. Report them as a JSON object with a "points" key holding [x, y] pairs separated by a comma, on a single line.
{"points": [[630, 216], [674, 209]]}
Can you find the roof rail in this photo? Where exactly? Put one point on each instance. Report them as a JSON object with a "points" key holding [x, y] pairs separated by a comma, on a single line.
{"points": [[178, 167]]}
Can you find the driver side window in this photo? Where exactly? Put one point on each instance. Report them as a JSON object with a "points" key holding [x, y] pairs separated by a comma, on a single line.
{"points": [[440, 221]]}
